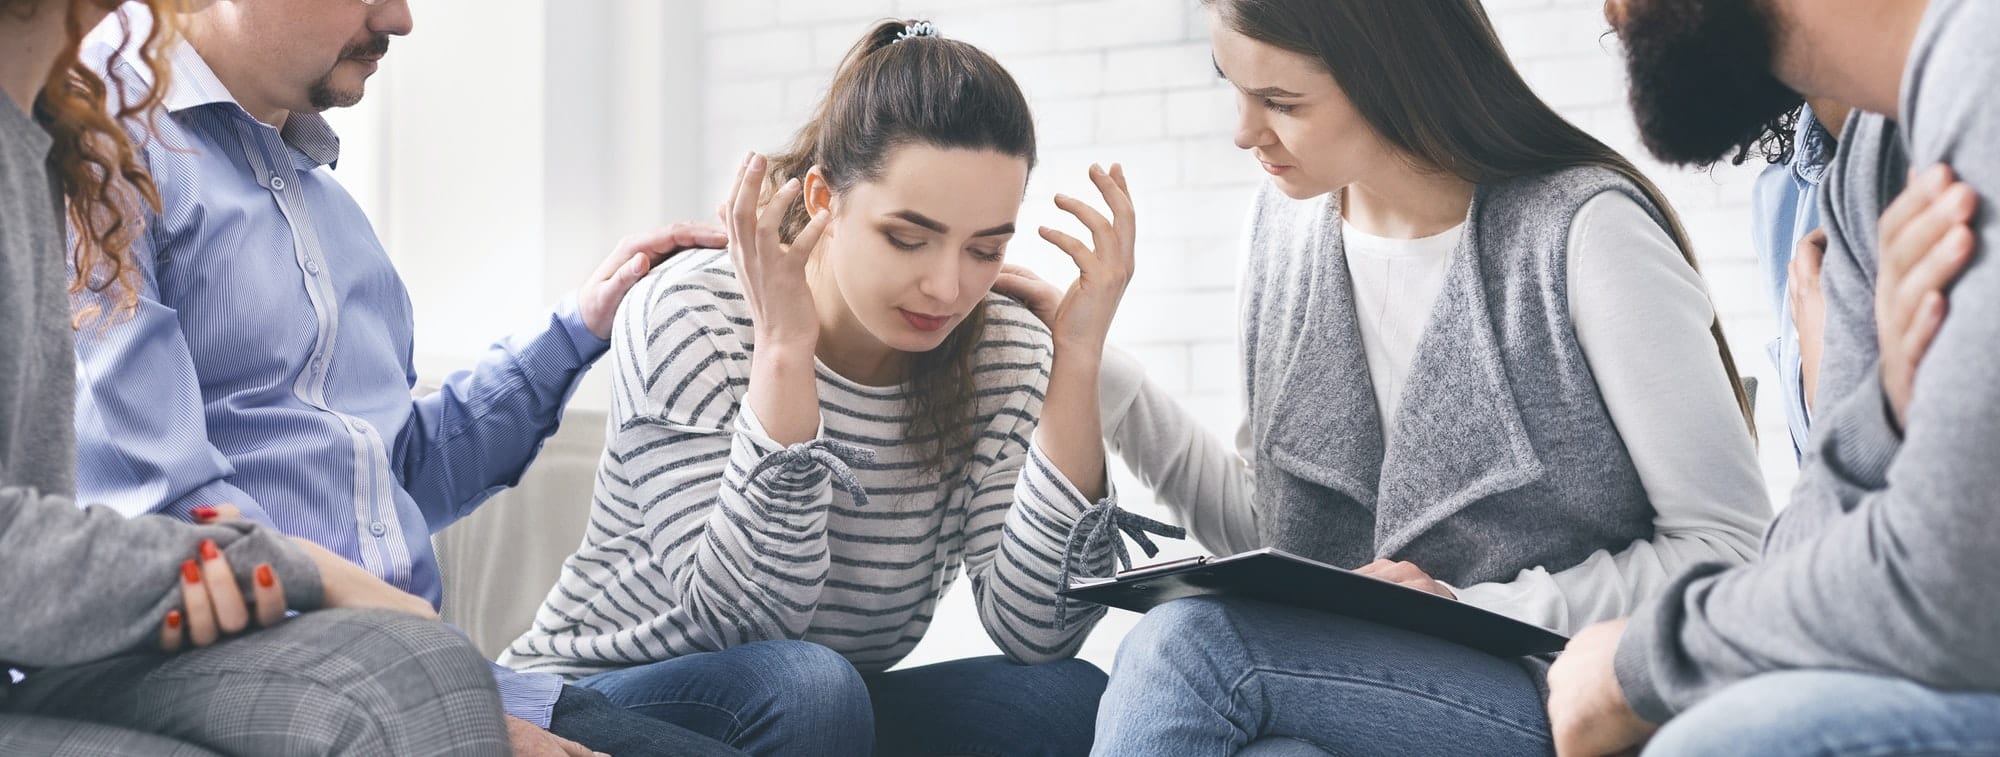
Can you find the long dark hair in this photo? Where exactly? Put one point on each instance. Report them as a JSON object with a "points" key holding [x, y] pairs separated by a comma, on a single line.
{"points": [[1431, 78], [901, 84]]}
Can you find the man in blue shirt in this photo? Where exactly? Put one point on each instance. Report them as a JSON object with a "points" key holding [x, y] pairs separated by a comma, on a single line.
{"points": [[269, 362], [1785, 203]]}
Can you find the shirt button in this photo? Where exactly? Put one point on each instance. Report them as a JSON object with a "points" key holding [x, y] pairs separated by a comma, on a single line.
{"points": [[377, 528], [312, 267], [277, 183], [358, 425]]}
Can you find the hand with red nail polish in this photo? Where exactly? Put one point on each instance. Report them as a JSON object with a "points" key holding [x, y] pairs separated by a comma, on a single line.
{"points": [[170, 632], [223, 513], [269, 595], [212, 606]]}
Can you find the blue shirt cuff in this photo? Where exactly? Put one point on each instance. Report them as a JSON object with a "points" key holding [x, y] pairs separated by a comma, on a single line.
{"points": [[528, 696], [588, 346]]}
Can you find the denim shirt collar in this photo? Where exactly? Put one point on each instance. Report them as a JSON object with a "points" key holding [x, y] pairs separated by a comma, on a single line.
{"points": [[1812, 148]]}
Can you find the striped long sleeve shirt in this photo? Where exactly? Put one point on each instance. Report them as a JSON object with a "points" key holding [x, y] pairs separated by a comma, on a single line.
{"points": [[705, 534]]}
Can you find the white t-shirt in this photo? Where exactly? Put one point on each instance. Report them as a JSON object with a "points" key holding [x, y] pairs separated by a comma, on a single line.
{"points": [[1396, 286]]}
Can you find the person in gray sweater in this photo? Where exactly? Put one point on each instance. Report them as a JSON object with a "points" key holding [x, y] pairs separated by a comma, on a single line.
{"points": [[1868, 625], [89, 595]]}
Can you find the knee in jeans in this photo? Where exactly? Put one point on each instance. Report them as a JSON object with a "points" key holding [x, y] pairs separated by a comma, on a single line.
{"points": [[1078, 676], [816, 680], [1071, 691], [1170, 632], [1758, 714]]}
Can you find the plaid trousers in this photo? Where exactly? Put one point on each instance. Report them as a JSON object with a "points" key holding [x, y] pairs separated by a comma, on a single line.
{"points": [[36, 735], [334, 682]]}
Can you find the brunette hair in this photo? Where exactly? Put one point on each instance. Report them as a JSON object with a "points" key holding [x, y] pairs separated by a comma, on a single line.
{"points": [[1431, 77], [901, 84]]}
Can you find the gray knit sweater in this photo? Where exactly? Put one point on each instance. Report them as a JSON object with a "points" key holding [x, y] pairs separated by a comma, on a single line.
{"points": [[1883, 563], [1501, 456], [76, 584]]}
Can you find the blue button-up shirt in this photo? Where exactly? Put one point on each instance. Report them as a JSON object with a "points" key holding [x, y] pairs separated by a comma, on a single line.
{"points": [[1785, 201], [269, 364]]}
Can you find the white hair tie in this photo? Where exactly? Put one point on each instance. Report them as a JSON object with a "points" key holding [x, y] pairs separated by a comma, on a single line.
{"points": [[918, 29]]}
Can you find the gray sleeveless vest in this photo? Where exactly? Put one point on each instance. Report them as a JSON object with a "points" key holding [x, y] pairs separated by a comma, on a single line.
{"points": [[1502, 455]]}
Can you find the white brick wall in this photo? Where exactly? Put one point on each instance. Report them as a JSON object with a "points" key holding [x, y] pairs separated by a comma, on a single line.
{"points": [[1130, 81]]}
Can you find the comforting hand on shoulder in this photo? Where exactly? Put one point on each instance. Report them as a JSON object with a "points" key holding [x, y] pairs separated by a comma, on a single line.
{"points": [[634, 255]]}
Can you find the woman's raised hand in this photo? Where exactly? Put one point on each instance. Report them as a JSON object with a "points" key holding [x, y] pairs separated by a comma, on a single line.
{"points": [[1104, 267], [773, 273]]}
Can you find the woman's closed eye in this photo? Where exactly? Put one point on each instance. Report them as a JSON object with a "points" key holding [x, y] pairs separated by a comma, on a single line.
{"points": [[990, 255], [901, 243], [1278, 107]]}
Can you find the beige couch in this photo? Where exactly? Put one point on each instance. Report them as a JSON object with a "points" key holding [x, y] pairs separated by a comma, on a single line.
{"points": [[499, 563]]}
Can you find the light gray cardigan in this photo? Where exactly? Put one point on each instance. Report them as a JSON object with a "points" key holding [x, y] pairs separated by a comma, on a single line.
{"points": [[1335, 459], [1503, 456]]}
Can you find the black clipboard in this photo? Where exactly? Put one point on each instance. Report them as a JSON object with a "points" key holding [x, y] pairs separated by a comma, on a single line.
{"points": [[1276, 576]]}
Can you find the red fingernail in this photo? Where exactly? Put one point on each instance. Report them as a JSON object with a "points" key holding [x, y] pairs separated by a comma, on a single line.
{"points": [[190, 572], [204, 513], [208, 550], [264, 577], [174, 620]]}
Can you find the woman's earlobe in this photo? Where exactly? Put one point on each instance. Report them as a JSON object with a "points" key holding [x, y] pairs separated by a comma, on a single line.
{"points": [[818, 195]]}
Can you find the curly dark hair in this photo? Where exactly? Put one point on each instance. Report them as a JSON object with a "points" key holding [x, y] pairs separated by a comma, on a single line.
{"points": [[1776, 145]]}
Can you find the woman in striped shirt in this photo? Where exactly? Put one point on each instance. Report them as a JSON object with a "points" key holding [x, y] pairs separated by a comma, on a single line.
{"points": [[812, 437]]}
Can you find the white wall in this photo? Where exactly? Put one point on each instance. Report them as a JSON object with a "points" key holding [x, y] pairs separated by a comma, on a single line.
{"points": [[507, 144], [513, 140]]}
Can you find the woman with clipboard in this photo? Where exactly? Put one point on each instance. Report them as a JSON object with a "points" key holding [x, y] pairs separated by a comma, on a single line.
{"points": [[1479, 362]]}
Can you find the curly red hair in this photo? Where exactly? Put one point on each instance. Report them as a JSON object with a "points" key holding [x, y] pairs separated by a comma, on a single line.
{"points": [[106, 188]]}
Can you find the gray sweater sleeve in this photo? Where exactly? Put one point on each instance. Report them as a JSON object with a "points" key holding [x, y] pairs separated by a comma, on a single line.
{"points": [[84, 584], [1888, 568], [77, 585]]}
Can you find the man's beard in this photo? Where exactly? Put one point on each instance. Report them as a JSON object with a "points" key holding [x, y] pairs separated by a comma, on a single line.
{"points": [[1702, 85], [323, 96]]}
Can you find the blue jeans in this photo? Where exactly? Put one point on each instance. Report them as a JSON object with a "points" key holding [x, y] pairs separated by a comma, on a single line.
{"points": [[986, 706], [1805, 712], [589, 718], [1211, 676], [765, 698]]}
